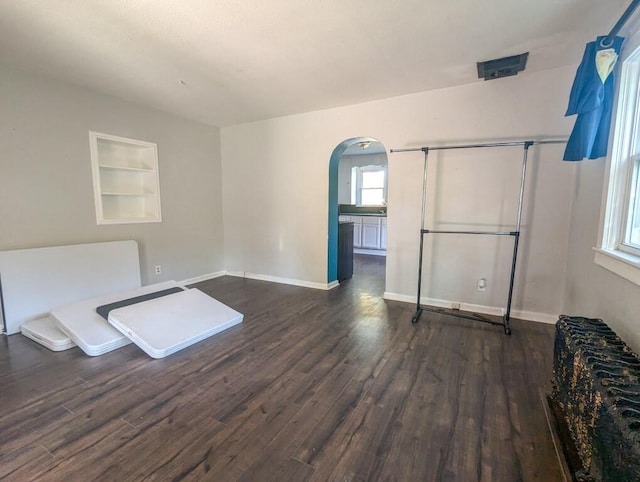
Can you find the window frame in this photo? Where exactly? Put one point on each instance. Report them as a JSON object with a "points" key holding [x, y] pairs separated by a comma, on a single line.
{"points": [[631, 205], [358, 183], [612, 253]]}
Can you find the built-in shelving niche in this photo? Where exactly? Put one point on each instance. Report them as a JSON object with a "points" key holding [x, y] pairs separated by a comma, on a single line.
{"points": [[125, 179]]}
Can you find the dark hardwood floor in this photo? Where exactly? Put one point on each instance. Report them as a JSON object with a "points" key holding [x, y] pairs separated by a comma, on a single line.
{"points": [[313, 386]]}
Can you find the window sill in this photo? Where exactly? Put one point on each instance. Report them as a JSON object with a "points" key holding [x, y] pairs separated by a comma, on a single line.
{"points": [[621, 263]]}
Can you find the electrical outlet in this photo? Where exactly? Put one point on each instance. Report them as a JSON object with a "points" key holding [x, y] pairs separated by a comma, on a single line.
{"points": [[158, 269], [455, 306], [482, 284]]}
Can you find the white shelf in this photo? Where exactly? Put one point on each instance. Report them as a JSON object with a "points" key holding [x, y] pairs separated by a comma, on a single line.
{"points": [[138, 169], [125, 179], [127, 194]]}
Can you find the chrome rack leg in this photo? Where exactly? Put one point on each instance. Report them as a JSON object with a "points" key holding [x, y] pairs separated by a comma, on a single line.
{"points": [[419, 310], [505, 319], [416, 316]]}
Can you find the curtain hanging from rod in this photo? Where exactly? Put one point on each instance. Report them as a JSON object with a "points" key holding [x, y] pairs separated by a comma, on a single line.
{"points": [[591, 99], [592, 94]]}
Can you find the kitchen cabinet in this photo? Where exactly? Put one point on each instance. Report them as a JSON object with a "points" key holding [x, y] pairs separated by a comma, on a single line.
{"points": [[357, 234], [383, 233], [369, 232]]}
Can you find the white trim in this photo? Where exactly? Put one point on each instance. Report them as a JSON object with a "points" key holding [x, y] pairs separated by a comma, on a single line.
{"points": [[333, 284], [483, 309], [204, 277], [370, 252], [536, 316], [608, 253], [617, 168], [286, 281], [618, 262]]}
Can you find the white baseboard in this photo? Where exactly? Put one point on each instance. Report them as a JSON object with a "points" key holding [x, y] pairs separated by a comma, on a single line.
{"points": [[333, 284], [203, 277], [286, 281], [485, 310], [535, 316]]}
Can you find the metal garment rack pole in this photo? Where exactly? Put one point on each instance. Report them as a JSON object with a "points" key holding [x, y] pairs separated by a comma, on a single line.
{"points": [[516, 234]]}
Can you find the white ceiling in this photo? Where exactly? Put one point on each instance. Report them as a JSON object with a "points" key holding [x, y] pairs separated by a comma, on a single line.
{"points": [[223, 62]]}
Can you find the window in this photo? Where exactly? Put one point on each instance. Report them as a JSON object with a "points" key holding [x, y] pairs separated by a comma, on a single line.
{"points": [[619, 248], [368, 185], [631, 234], [372, 191]]}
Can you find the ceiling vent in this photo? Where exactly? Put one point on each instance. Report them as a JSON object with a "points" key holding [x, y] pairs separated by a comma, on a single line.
{"points": [[504, 67]]}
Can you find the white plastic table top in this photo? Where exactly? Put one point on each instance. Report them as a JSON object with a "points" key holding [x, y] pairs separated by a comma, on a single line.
{"points": [[46, 332], [88, 329], [37, 279], [163, 326]]}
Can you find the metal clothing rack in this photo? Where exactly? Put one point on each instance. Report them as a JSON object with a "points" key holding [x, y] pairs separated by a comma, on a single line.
{"points": [[515, 234]]}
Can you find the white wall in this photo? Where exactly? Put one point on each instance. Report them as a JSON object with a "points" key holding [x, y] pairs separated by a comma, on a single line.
{"points": [[46, 190], [275, 189], [344, 180]]}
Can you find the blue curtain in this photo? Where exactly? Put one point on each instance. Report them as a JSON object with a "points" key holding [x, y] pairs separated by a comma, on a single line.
{"points": [[591, 99]]}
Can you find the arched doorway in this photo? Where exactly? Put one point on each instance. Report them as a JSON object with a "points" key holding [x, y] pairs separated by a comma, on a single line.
{"points": [[360, 148]]}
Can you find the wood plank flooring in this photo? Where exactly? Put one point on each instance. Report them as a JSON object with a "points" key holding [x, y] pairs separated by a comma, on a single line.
{"points": [[313, 386]]}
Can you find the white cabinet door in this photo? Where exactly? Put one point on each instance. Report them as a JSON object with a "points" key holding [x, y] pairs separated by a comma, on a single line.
{"points": [[383, 234], [357, 231], [370, 236], [369, 232]]}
